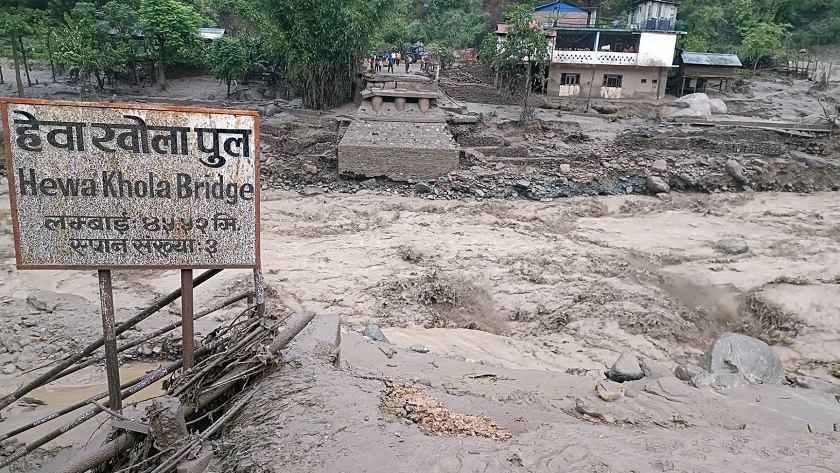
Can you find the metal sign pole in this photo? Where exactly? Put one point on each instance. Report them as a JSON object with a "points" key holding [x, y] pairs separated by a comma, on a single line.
{"points": [[259, 291], [187, 322], [112, 367]]}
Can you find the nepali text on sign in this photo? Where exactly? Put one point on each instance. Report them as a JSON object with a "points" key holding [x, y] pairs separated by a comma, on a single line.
{"points": [[105, 186]]}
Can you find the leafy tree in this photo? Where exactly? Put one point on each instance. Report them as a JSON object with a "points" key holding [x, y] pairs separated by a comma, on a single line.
{"points": [[322, 42], [395, 27], [83, 47], [523, 51], [455, 22], [172, 26], [124, 24], [12, 25], [763, 39], [443, 52], [229, 60]]}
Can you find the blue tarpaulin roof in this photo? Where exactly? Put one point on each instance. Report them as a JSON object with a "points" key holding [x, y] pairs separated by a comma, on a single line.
{"points": [[559, 7]]}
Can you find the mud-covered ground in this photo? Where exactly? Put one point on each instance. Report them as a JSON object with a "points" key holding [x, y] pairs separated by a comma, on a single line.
{"points": [[523, 306], [496, 274], [547, 287]]}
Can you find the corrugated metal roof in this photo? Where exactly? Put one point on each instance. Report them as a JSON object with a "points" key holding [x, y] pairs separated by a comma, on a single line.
{"points": [[559, 7], [710, 59], [211, 33]]}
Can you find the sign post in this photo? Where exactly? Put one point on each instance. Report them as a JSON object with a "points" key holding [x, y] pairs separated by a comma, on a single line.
{"points": [[187, 328], [109, 336], [119, 186]]}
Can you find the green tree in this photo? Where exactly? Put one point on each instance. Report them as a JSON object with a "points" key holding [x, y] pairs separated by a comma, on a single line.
{"points": [[84, 48], [444, 53], [229, 60], [172, 26], [455, 22], [523, 51], [12, 25], [322, 43], [763, 39]]}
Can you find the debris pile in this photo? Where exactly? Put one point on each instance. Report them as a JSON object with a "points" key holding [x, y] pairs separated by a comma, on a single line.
{"points": [[434, 417]]}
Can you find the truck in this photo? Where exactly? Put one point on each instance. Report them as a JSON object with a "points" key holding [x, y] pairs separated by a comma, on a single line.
{"points": [[412, 52]]}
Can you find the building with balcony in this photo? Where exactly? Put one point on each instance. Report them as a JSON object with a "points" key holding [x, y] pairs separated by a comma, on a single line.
{"points": [[620, 61]]}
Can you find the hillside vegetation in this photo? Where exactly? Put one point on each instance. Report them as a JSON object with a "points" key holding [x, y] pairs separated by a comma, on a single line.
{"points": [[316, 45]]}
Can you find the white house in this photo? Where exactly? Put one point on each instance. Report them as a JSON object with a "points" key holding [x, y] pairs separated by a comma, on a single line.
{"points": [[629, 61]]}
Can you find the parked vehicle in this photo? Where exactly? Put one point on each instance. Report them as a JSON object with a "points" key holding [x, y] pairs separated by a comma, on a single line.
{"points": [[412, 52]]}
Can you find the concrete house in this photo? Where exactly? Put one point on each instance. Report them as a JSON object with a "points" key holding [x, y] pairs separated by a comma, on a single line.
{"points": [[615, 62]]}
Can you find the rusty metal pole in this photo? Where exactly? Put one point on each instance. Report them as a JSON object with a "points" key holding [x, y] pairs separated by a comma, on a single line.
{"points": [[109, 336], [259, 291], [187, 321]]}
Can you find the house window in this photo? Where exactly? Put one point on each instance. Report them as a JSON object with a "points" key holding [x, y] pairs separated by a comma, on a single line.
{"points": [[569, 79], [612, 80], [644, 81], [655, 81]]}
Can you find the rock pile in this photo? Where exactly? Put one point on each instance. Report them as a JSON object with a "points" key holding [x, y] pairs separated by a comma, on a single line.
{"points": [[733, 360]]}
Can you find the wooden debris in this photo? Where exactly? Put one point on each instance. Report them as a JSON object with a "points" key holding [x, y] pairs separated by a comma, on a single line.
{"points": [[434, 417]]}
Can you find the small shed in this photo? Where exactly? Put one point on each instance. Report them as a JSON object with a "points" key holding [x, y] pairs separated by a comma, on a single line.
{"points": [[698, 71]]}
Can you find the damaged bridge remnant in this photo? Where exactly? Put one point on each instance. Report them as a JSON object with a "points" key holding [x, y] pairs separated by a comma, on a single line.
{"points": [[399, 131]]}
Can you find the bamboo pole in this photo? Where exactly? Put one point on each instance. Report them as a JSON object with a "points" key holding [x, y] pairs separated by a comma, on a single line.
{"points": [[145, 382], [53, 373], [141, 340], [79, 405], [280, 341], [101, 455]]}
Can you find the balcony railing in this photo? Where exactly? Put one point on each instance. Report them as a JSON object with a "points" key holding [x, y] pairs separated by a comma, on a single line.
{"points": [[595, 57]]}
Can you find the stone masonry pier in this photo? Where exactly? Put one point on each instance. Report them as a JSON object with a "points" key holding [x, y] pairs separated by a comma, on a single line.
{"points": [[399, 131]]}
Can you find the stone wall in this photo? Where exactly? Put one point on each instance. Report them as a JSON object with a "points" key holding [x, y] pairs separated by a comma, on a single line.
{"points": [[397, 163], [732, 140], [478, 94]]}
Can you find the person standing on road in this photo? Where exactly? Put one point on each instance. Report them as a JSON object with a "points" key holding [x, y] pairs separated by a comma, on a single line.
{"points": [[407, 64], [390, 60], [399, 58]]}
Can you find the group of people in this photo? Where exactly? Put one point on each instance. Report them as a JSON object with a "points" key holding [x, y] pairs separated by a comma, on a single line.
{"points": [[389, 60]]}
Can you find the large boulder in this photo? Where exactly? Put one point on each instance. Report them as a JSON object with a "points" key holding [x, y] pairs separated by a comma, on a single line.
{"points": [[373, 332], [747, 356], [688, 106], [734, 169], [718, 107], [626, 368], [657, 185]]}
